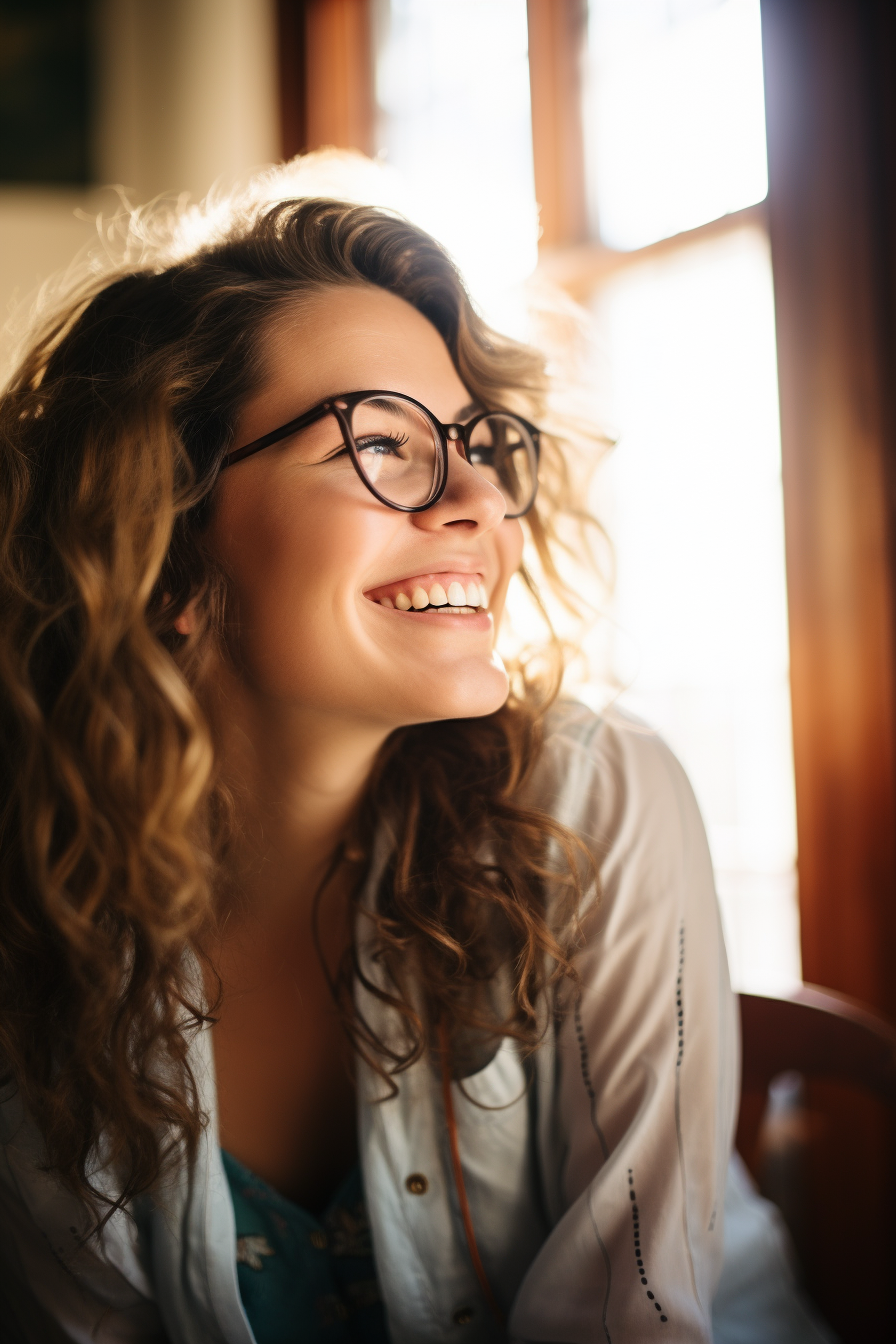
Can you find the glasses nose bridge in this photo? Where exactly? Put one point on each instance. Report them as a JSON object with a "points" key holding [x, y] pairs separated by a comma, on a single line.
{"points": [[456, 437]]}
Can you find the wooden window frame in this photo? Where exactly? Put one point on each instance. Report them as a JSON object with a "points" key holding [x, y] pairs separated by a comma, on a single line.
{"points": [[325, 70]]}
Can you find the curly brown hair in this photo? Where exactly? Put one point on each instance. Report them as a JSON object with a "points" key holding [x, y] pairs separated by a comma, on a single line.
{"points": [[112, 433]]}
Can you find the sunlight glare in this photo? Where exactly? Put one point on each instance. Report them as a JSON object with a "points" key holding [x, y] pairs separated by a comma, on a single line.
{"points": [[693, 501], [454, 120], [676, 115]]}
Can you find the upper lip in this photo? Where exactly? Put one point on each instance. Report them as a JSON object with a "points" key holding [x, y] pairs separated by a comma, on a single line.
{"points": [[472, 571]]}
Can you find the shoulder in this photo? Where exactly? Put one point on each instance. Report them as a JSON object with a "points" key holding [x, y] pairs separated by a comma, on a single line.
{"points": [[613, 781], [601, 774]]}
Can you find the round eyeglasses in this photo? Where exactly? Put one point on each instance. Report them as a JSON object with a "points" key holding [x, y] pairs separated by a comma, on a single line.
{"points": [[400, 450]]}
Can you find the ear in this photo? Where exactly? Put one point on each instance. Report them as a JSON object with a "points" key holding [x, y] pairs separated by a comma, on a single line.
{"points": [[186, 621]]}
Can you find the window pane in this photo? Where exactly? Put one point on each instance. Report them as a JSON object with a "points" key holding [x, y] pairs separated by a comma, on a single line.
{"points": [[692, 499], [676, 115], [454, 119]]}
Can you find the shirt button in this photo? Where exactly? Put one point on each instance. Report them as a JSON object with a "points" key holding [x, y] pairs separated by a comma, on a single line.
{"points": [[416, 1183], [463, 1316]]}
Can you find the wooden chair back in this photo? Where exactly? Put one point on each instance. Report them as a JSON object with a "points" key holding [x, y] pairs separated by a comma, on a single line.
{"points": [[807, 1142], [818, 1034]]}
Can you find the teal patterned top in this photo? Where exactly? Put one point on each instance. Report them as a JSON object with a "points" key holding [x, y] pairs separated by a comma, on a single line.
{"points": [[304, 1281]]}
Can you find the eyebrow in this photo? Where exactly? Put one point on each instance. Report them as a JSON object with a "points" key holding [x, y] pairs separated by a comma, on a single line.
{"points": [[466, 411]]}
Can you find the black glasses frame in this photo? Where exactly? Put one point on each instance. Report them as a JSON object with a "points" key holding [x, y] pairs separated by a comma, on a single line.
{"points": [[343, 406]]}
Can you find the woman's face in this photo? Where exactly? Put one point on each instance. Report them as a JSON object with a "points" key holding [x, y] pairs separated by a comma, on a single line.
{"points": [[311, 553]]}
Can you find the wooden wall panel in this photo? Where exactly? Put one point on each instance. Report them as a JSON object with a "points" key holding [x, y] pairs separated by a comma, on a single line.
{"points": [[556, 48]]}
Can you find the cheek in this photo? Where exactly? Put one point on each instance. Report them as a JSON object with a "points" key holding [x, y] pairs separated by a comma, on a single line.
{"points": [[293, 563], [265, 543]]}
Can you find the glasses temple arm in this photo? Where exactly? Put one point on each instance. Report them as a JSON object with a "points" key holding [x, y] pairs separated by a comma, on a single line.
{"points": [[283, 432]]}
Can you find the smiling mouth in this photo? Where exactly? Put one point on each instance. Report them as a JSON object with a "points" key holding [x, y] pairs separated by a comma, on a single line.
{"points": [[462, 596]]}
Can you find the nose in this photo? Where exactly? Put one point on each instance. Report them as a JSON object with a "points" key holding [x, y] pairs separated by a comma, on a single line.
{"points": [[469, 501]]}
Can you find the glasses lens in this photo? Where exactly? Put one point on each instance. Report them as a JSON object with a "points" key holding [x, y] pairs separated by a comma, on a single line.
{"points": [[501, 448], [399, 450]]}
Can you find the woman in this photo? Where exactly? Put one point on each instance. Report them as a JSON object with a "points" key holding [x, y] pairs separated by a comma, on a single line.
{"points": [[316, 928]]}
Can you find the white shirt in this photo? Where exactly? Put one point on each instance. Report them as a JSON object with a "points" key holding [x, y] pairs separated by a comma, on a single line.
{"points": [[596, 1192]]}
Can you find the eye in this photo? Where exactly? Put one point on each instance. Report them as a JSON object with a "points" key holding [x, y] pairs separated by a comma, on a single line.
{"points": [[384, 445]]}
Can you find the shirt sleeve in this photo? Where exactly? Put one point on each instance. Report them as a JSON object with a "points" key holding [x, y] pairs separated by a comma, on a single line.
{"points": [[636, 1114]]}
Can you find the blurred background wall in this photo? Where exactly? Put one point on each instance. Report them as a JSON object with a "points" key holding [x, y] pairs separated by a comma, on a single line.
{"points": [[151, 96], [713, 182]]}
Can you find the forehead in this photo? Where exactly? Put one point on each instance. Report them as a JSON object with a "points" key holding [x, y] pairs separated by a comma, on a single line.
{"points": [[350, 338]]}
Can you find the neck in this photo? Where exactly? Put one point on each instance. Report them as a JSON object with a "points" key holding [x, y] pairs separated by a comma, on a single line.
{"points": [[296, 778]]}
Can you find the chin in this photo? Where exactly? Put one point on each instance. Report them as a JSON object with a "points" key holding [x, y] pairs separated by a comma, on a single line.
{"points": [[465, 696]]}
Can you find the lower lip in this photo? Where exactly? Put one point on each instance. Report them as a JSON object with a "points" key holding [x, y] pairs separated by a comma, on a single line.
{"points": [[480, 620]]}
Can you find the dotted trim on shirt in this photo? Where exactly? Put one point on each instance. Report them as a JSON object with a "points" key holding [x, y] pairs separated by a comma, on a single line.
{"points": [[585, 1065], [639, 1259]]}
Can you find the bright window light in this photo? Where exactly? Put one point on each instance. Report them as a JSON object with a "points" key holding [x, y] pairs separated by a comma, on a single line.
{"points": [[676, 115], [455, 122], [692, 499]]}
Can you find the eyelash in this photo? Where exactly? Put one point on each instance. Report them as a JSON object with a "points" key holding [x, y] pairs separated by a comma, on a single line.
{"points": [[394, 440]]}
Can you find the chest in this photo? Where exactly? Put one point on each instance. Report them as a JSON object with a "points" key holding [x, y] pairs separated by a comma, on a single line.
{"points": [[283, 1063]]}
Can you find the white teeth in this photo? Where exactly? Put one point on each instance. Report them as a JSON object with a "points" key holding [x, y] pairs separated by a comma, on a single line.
{"points": [[465, 599]]}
